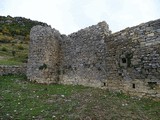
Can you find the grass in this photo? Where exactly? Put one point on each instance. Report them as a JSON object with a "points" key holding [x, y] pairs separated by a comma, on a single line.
{"points": [[6, 53], [20, 99], [10, 62]]}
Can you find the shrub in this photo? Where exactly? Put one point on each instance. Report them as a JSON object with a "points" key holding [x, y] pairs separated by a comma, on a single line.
{"points": [[5, 39], [12, 44], [20, 47], [4, 49], [13, 53]]}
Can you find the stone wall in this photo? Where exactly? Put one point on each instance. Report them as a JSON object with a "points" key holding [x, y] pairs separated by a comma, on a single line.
{"points": [[84, 54], [127, 61], [133, 59], [43, 62], [5, 70]]}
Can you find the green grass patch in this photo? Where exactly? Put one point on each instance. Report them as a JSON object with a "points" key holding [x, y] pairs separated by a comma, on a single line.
{"points": [[13, 54], [21, 99], [10, 62]]}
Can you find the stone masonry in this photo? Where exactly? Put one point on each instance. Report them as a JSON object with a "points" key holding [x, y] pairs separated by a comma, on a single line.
{"points": [[83, 56], [128, 60], [14, 69], [43, 63]]}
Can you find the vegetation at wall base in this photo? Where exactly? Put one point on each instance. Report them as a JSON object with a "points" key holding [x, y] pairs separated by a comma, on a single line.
{"points": [[21, 99]]}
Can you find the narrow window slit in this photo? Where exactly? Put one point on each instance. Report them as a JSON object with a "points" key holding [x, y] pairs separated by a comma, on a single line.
{"points": [[124, 60], [133, 86]]}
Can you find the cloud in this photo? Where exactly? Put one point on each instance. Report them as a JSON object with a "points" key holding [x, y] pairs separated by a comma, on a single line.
{"points": [[130, 13], [121, 13], [71, 15], [55, 13]]}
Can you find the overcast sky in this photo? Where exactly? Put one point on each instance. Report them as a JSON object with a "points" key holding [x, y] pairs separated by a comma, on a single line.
{"points": [[68, 16]]}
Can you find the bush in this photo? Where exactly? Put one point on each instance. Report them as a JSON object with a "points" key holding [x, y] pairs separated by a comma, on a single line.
{"points": [[4, 49], [13, 53], [20, 47], [5, 39]]}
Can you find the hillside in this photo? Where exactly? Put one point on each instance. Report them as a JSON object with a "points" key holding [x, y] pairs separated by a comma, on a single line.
{"points": [[14, 38], [16, 28]]}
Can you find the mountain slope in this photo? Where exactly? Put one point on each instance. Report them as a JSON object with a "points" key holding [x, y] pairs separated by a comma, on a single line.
{"points": [[16, 28], [14, 38]]}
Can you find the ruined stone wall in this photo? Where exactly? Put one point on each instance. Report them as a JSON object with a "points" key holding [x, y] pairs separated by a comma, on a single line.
{"points": [[83, 56], [127, 61], [43, 62], [133, 59], [14, 69]]}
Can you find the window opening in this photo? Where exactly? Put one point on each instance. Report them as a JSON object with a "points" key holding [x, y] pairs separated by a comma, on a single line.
{"points": [[124, 60], [133, 85]]}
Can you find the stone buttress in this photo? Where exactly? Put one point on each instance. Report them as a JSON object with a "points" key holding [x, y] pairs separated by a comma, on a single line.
{"points": [[43, 62]]}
